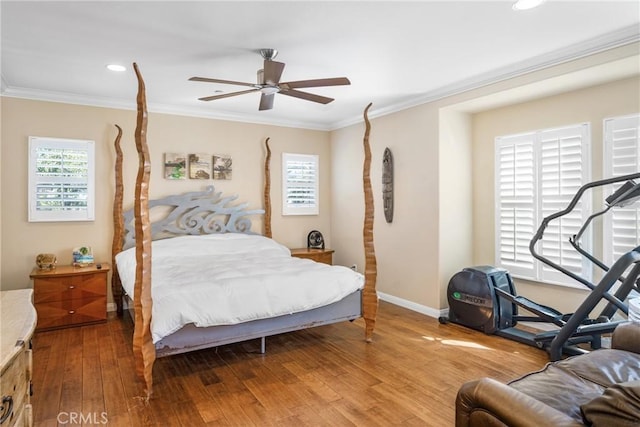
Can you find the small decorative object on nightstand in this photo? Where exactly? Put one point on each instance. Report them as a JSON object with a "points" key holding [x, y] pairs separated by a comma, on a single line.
{"points": [[82, 256], [315, 254], [46, 261], [70, 296]]}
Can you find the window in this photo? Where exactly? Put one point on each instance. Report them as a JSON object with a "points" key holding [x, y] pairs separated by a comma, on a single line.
{"points": [[537, 174], [61, 179], [621, 229], [299, 184]]}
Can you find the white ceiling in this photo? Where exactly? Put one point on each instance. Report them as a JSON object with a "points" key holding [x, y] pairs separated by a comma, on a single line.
{"points": [[396, 54]]}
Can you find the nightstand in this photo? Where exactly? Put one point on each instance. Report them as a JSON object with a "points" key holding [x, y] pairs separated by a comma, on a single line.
{"points": [[317, 255], [70, 296]]}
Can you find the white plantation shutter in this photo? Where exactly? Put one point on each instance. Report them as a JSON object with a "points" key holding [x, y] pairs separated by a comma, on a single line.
{"points": [[515, 196], [61, 180], [537, 174], [562, 170], [621, 157], [299, 184]]}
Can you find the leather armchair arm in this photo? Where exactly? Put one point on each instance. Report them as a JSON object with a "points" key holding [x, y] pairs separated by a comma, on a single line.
{"points": [[626, 336], [489, 402]]}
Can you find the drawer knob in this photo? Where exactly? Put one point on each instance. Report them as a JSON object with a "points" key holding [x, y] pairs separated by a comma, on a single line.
{"points": [[72, 311], [71, 287]]}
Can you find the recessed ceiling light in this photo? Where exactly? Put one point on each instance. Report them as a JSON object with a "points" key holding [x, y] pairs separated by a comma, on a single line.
{"points": [[116, 67], [527, 4]]}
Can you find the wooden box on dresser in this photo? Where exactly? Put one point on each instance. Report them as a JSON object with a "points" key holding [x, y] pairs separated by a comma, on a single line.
{"points": [[18, 323], [70, 296]]}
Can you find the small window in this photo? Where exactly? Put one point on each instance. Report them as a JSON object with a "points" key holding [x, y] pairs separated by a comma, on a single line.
{"points": [[299, 184], [61, 179]]}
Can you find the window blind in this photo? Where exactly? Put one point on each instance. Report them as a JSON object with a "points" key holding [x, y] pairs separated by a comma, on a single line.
{"points": [[300, 184], [537, 174], [621, 157], [515, 203], [61, 180]]}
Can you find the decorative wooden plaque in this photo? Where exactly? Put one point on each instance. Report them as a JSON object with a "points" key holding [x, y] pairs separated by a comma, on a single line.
{"points": [[387, 184]]}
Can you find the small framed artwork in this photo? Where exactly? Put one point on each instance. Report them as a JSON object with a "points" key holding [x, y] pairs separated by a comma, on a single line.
{"points": [[222, 167], [200, 166], [175, 165]]}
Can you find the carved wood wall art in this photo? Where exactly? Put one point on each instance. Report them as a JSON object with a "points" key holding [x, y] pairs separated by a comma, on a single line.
{"points": [[267, 190], [143, 348], [387, 185], [118, 225], [369, 295]]}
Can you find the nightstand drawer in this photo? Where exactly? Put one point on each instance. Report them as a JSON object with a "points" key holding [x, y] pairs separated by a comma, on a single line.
{"points": [[52, 289], [71, 312]]}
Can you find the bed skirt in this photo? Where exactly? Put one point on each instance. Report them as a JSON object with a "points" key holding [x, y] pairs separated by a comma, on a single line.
{"points": [[191, 337]]}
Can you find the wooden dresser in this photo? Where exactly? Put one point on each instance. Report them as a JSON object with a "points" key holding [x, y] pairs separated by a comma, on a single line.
{"points": [[317, 255], [70, 296], [18, 323]]}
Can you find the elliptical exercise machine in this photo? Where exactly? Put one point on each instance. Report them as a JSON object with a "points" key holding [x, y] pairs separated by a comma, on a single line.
{"points": [[485, 298]]}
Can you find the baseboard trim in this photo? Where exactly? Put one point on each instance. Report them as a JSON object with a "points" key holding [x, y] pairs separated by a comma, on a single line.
{"points": [[410, 305]]}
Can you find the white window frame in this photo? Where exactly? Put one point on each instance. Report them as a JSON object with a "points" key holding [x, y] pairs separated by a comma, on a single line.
{"points": [[310, 207], [35, 214], [527, 167], [621, 225]]}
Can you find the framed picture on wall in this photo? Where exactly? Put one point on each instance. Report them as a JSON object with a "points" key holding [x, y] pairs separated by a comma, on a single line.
{"points": [[175, 165], [200, 166], [222, 166]]}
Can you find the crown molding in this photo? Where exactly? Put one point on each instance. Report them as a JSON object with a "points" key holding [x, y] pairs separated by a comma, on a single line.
{"points": [[623, 37], [72, 98]]}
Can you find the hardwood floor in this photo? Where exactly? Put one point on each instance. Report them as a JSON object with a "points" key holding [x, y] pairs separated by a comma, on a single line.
{"points": [[328, 375]]}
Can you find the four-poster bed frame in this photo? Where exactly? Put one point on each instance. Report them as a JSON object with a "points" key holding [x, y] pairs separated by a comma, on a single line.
{"points": [[203, 213]]}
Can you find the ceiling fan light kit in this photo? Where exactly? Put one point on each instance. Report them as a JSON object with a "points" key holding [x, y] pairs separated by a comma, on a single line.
{"points": [[268, 84]]}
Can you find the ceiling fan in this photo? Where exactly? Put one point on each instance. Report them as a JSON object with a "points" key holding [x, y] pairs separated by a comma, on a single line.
{"points": [[269, 84]]}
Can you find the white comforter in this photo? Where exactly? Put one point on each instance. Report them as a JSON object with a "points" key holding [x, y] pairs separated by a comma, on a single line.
{"points": [[223, 279]]}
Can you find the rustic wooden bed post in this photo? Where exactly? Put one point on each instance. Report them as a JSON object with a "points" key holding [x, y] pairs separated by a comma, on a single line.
{"points": [[118, 226], [143, 349], [369, 295], [267, 191]]}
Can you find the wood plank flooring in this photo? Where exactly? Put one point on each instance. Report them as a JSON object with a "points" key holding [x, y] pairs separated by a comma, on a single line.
{"points": [[325, 376]]}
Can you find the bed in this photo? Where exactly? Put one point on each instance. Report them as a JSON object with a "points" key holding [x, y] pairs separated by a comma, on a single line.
{"points": [[216, 282], [259, 288]]}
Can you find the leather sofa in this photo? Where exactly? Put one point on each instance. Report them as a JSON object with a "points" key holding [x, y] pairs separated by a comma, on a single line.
{"points": [[601, 388]]}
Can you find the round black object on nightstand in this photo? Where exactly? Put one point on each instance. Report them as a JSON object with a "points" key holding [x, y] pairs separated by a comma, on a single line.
{"points": [[315, 240]]}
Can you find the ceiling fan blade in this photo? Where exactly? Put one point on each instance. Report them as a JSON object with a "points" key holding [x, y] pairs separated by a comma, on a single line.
{"points": [[266, 101], [272, 72], [226, 82], [306, 96], [336, 81], [227, 95]]}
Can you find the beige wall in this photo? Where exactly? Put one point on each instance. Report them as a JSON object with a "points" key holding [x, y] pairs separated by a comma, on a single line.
{"points": [[455, 195], [406, 249], [22, 241], [438, 166], [443, 172], [591, 105]]}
